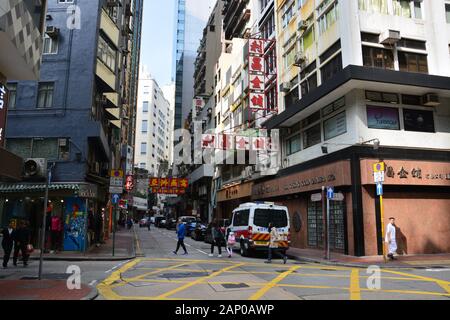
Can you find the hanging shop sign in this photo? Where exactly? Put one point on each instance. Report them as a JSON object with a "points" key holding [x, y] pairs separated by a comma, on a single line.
{"points": [[129, 183], [3, 112], [168, 185]]}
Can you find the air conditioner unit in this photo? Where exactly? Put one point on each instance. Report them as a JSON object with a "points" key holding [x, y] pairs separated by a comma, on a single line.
{"points": [[300, 59], [285, 87], [52, 32], [35, 168], [431, 100], [390, 37], [302, 25]]}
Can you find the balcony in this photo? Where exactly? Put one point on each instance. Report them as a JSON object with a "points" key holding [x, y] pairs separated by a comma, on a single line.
{"points": [[110, 29], [107, 77], [100, 141]]}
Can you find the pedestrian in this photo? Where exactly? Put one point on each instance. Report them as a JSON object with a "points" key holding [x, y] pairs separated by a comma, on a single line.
{"points": [[8, 242], [21, 242], [149, 222], [390, 238], [231, 241], [91, 227], [181, 232], [273, 244], [217, 238], [55, 231]]}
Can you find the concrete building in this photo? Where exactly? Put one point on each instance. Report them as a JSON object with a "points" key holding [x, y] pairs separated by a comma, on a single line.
{"points": [[153, 131], [22, 24], [79, 115], [363, 82]]}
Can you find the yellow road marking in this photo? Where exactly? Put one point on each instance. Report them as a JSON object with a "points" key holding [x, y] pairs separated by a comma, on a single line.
{"points": [[159, 270], [198, 281], [273, 283], [442, 283], [104, 288], [138, 249], [355, 290]]}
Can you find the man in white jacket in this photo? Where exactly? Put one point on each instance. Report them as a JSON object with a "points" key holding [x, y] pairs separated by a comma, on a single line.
{"points": [[390, 238]]}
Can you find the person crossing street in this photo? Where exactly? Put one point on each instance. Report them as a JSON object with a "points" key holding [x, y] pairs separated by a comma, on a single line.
{"points": [[391, 238], [181, 233]]}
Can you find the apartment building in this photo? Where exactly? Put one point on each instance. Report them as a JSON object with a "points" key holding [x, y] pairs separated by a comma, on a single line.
{"points": [[362, 82], [79, 115], [20, 58], [153, 131]]}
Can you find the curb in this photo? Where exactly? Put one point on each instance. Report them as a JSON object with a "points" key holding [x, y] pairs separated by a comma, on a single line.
{"points": [[86, 258], [356, 265], [91, 296]]}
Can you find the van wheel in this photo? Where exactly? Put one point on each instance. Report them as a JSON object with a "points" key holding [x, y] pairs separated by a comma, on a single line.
{"points": [[244, 249]]}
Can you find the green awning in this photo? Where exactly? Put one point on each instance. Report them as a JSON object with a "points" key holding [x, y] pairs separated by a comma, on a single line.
{"points": [[36, 187]]}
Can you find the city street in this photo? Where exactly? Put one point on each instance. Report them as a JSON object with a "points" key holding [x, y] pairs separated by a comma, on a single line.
{"points": [[161, 275]]}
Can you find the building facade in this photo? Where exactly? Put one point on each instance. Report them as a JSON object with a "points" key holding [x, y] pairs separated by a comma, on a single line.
{"points": [[22, 24], [79, 115]]}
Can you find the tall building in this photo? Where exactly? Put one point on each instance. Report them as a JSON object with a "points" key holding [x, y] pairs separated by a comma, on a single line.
{"points": [[79, 115], [22, 24], [153, 131], [363, 82], [191, 17]]}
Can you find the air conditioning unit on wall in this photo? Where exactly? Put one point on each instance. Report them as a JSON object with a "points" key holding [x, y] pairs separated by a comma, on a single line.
{"points": [[390, 37], [35, 168], [431, 100]]}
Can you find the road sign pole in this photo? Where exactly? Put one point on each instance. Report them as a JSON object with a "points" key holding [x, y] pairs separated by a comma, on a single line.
{"points": [[324, 216], [44, 222], [328, 229], [114, 229], [382, 229]]}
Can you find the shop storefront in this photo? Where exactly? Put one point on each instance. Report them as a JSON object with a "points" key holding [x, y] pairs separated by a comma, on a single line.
{"points": [[230, 198], [417, 194], [68, 201], [302, 193]]}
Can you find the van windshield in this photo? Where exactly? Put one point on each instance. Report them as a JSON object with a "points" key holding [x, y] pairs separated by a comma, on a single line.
{"points": [[264, 216]]}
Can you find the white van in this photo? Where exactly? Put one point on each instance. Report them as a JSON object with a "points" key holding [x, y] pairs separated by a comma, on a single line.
{"points": [[250, 224]]}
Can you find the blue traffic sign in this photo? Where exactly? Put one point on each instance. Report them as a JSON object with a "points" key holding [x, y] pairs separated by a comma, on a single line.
{"points": [[330, 192], [379, 189], [115, 198]]}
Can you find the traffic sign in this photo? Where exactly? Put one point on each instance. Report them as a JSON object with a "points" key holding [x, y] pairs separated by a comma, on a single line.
{"points": [[117, 173], [378, 176], [115, 198], [116, 182], [118, 190], [379, 189], [338, 197], [379, 167], [317, 197], [330, 193]]}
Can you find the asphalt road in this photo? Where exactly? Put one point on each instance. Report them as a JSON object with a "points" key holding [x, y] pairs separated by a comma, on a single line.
{"points": [[161, 275]]}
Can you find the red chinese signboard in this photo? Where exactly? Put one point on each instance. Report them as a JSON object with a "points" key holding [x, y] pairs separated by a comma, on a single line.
{"points": [[168, 185], [129, 184], [3, 112]]}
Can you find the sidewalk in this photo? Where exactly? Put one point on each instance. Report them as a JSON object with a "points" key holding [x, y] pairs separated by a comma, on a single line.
{"points": [[410, 261], [124, 250], [43, 290]]}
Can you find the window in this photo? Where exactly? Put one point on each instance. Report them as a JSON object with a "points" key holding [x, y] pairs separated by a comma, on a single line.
{"points": [[144, 126], [12, 96], [378, 58], [50, 45], [241, 218], [335, 126], [312, 136], [383, 118], [411, 100], [263, 217], [288, 12], [402, 8], [49, 148], [413, 62], [106, 54], [145, 107], [370, 37], [293, 145], [380, 6], [447, 12], [418, 120], [382, 97], [329, 18], [331, 68], [309, 84], [143, 148], [45, 95], [307, 39]]}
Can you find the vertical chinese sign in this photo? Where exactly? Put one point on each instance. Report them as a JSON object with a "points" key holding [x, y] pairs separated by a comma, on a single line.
{"points": [[3, 113]]}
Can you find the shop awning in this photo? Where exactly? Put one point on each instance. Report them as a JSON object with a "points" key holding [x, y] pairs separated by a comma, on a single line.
{"points": [[36, 187]]}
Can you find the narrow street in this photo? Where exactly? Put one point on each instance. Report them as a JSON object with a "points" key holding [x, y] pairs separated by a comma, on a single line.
{"points": [[161, 275]]}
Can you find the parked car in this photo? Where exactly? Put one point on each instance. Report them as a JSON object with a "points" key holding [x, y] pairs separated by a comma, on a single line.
{"points": [[190, 223], [144, 222], [199, 232], [250, 226], [162, 223], [171, 223], [158, 220], [223, 224]]}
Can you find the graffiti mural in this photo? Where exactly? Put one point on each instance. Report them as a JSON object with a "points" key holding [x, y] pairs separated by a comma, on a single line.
{"points": [[75, 225]]}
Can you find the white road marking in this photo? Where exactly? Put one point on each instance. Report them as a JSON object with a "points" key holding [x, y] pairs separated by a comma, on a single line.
{"points": [[117, 266], [437, 270], [187, 244], [93, 282]]}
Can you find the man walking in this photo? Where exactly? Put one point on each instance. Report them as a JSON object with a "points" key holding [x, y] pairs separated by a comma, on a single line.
{"points": [[390, 238], [273, 244], [22, 239], [181, 232], [217, 238], [8, 242]]}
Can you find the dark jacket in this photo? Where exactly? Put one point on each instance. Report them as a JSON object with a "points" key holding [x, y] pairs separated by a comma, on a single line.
{"points": [[22, 236], [8, 239]]}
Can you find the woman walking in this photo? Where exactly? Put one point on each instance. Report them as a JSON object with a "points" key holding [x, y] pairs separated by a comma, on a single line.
{"points": [[181, 232], [217, 238], [231, 241]]}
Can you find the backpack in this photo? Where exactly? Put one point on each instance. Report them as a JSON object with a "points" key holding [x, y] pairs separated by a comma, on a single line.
{"points": [[231, 239]]}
